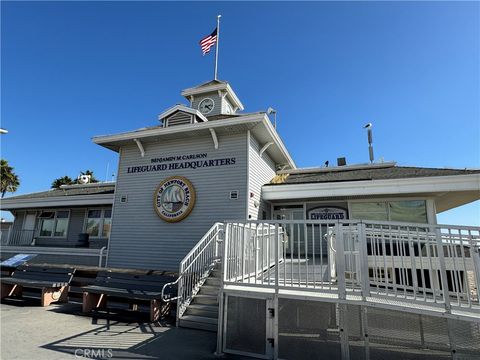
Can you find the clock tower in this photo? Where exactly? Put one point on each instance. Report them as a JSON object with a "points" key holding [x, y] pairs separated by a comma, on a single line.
{"points": [[213, 99]]}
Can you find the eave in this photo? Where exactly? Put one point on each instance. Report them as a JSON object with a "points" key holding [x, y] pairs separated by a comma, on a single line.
{"points": [[258, 124], [448, 191], [57, 201]]}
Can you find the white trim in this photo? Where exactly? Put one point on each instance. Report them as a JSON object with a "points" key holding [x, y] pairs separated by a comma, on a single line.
{"points": [[338, 168], [214, 138], [265, 147], [107, 140], [140, 147], [183, 108], [278, 141], [79, 186], [57, 201], [113, 208], [430, 185], [158, 130], [247, 194], [431, 211]]}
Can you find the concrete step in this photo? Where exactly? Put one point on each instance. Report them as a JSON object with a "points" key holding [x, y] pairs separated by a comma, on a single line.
{"points": [[210, 311], [205, 299], [198, 322], [213, 281], [209, 290], [216, 273]]}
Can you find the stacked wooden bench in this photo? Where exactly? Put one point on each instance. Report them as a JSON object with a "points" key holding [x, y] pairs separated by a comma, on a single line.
{"points": [[135, 288], [53, 282]]}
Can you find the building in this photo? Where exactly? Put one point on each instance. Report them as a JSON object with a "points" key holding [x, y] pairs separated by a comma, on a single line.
{"points": [[238, 168], [211, 188]]}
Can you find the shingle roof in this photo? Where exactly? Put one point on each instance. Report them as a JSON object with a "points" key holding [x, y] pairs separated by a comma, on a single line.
{"points": [[73, 191], [394, 172]]}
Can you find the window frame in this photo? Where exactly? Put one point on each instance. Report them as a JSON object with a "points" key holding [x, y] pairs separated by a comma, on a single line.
{"points": [[101, 224], [40, 223], [430, 213]]}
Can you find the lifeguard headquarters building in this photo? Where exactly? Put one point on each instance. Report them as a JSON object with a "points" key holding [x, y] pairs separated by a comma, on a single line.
{"points": [[210, 184]]}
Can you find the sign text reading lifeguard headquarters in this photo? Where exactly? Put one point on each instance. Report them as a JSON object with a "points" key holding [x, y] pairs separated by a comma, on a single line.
{"points": [[189, 161]]}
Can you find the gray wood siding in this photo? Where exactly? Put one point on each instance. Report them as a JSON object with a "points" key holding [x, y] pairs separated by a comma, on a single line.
{"points": [[139, 238], [217, 109], [262, 170], [18, 221]]}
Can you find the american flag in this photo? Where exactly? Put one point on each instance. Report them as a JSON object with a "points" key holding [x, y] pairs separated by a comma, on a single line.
{"points": [[207, 42]]}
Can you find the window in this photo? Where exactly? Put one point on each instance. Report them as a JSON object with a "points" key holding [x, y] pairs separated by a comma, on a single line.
{"points": [[413, 211], [61, 224], [107, 223], [99, 222], [370, 211], [54, 223]]}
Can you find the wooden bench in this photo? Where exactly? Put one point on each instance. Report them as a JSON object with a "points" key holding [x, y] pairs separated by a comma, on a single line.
{"points": [[53, 282], [133, 287]]}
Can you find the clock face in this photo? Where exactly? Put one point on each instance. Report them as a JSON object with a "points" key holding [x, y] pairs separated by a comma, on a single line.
{"points": [[206, 106]]}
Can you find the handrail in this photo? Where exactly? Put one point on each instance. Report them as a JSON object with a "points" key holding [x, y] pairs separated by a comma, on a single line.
{"points": [[194, 268], [430, 264], [172, 283]]}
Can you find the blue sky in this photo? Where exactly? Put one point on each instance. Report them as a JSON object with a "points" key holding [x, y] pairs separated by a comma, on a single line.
{"points": [[72, 70]]}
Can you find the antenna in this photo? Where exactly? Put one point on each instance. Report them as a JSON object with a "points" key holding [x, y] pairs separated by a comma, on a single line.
{"points": [[106, 174], [370, 141]]}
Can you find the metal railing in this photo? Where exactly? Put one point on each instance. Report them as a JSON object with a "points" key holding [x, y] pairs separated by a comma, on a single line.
{"points": [[18, 237], [433, 265], [196, 266]]}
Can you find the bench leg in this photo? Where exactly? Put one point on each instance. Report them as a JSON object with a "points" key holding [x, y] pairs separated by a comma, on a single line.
{"points": [[50, 295], [11, 290], [133, 307], [93, 301], [158, 309]]}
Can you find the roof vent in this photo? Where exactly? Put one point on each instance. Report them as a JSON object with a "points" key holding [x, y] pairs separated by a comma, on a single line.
{"points": [[341, 161]]}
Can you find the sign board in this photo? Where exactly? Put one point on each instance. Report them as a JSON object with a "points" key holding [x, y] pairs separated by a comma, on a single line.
{"points": [[179, 162], [17, 260], [174, 198], [327, 213]]}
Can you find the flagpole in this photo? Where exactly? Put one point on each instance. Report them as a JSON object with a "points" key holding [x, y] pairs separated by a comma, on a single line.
{"points": [[216, 48]]}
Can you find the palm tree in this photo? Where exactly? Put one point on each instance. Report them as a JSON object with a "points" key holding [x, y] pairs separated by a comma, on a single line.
{"points": [[65, 180], [8, 179], [92, 177]]}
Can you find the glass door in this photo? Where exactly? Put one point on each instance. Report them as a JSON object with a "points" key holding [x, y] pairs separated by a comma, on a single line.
{"points": [[295, 232]]}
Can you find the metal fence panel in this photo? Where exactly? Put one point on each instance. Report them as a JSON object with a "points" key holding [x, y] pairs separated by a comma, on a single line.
{"points": [[308, 330], [246, 326]]}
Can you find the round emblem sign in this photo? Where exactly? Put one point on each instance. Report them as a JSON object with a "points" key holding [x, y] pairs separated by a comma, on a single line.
{"points": [[174, 198]]}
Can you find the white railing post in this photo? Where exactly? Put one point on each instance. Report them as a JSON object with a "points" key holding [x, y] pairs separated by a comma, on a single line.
{"points": [[340, 261], [443, 270], [475, 255], [363, 255], [226, 239], [276, 257]]}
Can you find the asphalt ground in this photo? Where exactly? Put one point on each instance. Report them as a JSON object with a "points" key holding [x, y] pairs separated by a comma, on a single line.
{"points": [[61, 331]]}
